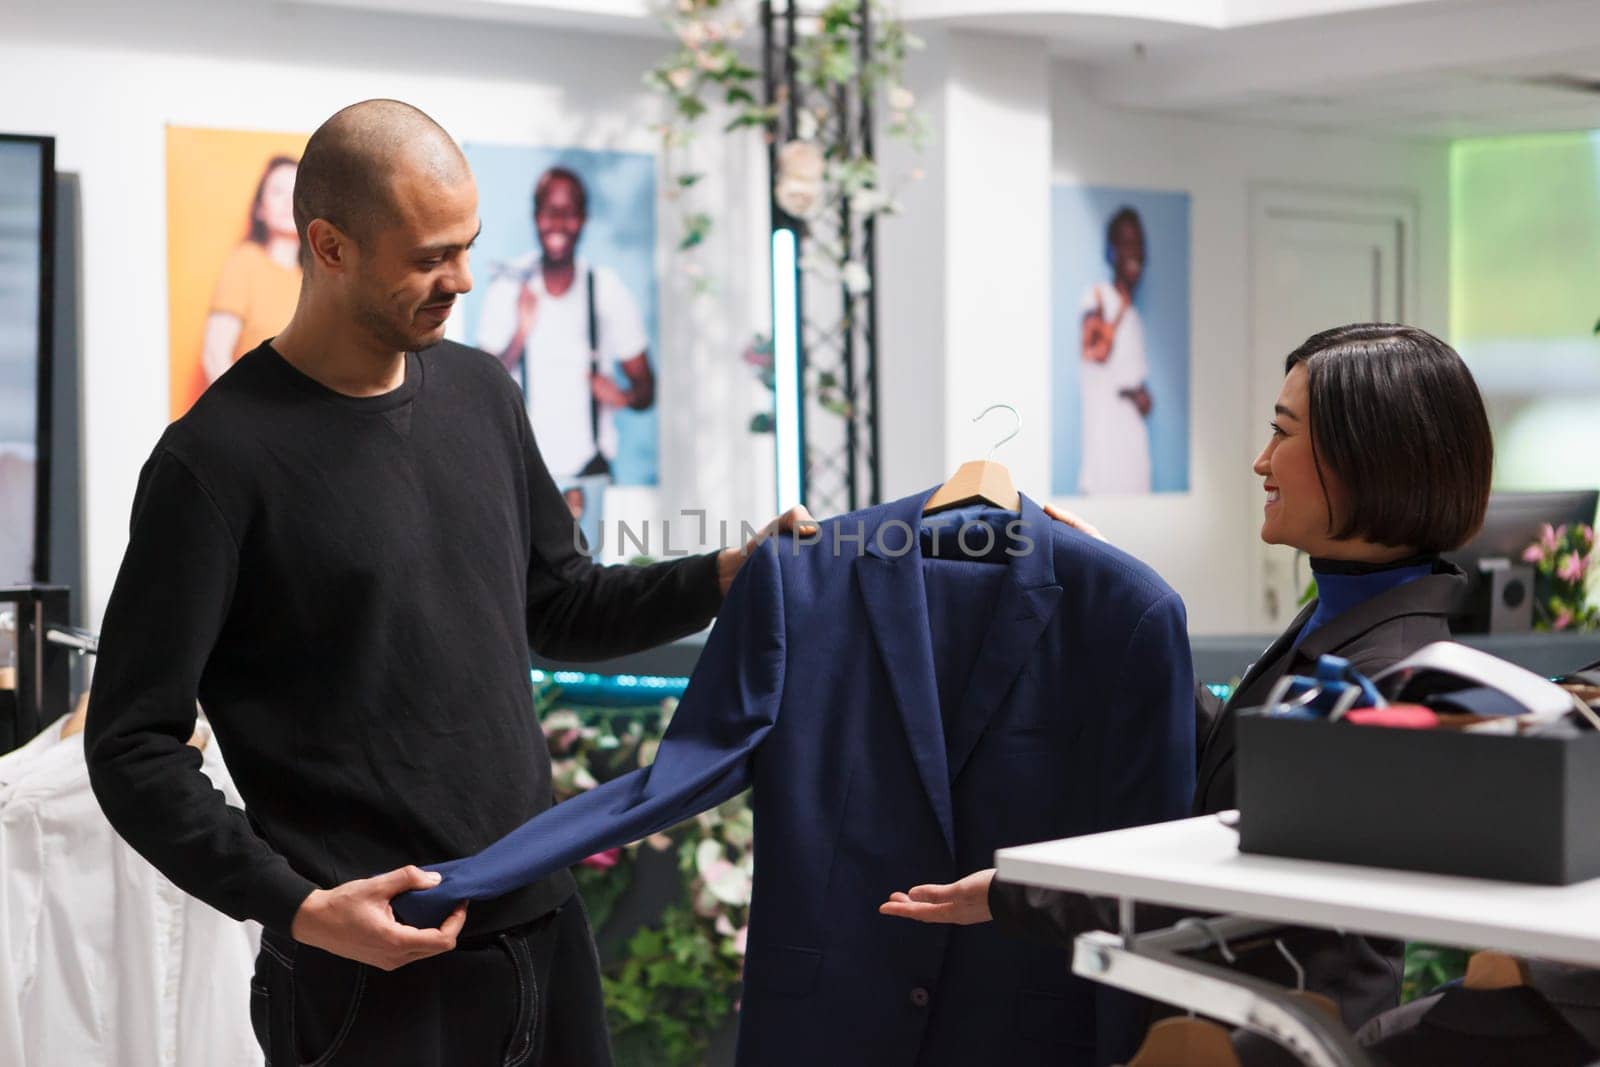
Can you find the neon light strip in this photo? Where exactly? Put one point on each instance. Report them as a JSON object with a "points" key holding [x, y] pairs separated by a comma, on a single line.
{"points": [[786, 367]]}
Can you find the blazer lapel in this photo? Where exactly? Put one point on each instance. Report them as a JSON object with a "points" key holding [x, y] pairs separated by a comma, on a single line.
{"points": [[1268, 660], [897, 611], [1027, 603]]}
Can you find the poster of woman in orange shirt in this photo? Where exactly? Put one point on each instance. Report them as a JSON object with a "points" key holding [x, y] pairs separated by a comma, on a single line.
{"points": [[233, 271]]}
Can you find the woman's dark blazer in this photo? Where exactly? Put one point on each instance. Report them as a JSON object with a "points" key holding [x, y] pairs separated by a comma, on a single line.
{"points": [[1361, 975]]}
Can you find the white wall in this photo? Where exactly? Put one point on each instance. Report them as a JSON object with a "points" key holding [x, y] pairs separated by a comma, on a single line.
{"points": [[105, 78], [1203, 542]]}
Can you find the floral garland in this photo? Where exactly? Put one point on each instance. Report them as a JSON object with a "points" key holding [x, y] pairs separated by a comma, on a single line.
{"points": [[707, 68], [677, 983]]}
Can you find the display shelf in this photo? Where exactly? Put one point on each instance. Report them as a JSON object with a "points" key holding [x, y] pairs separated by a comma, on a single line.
{"points": [[1196, 863]]}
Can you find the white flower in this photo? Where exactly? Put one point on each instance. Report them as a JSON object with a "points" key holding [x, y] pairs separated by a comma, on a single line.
{"points": [[708, 853], [799, 188], [712, 62], [559, 721], [902, 99], [728, 884], [871, 201], [680, 78], [855, 278], [801, 160], [801, 199], [806, 125], [692, 34]]}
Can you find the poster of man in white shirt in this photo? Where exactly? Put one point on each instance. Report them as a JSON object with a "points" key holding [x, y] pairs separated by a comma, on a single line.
{"points": [[1121, 343], [566, 318]]}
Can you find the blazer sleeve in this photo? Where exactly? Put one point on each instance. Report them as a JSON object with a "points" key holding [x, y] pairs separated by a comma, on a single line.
{"points": [[1148, 768], [703, 760], [1147, 755]]}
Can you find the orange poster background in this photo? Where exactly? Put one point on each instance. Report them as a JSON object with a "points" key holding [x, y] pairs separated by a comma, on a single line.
{"points": [[211, 179]]}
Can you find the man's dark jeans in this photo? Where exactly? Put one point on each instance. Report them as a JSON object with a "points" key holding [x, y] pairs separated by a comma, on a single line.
{"points": [[525, 997]]}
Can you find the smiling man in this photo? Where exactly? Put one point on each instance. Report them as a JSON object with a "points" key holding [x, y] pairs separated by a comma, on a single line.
{"points": [[344, 551]]}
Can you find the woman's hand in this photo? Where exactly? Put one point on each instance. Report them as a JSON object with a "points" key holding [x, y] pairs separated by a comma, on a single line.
{"points": [[962, 903]]}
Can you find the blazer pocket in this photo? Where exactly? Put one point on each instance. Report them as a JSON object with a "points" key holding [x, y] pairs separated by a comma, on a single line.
{"points": [[785, 969]]}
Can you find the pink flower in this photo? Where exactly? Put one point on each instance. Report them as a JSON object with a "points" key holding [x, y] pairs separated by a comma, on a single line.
{"points": [[602, 861], [1571, 567], [1585, 534], [1563, 620], [741, 939], [1533, 554], [1550, 538]]}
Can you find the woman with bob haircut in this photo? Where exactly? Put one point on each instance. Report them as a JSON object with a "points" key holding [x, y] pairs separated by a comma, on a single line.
{"points": [[1379, 460]]}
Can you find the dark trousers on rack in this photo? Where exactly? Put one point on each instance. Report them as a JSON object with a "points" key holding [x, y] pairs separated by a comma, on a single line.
{"points": [[525, 997]]}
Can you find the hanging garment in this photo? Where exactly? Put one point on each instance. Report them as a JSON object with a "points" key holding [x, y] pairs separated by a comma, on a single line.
{"points": [[1573, 991], [821, 688], [1486, 1028], [104, 962]]}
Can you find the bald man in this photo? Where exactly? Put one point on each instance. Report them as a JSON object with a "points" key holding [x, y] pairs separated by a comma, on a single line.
{"points": [[344, 552]]}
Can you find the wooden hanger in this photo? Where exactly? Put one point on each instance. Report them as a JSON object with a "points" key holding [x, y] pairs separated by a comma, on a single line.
{"points": [[1495, 970], [1186, 1043], [980, 481]]}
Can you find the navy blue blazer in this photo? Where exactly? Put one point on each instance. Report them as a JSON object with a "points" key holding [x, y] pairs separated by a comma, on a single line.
{"points": [[819, 689]]}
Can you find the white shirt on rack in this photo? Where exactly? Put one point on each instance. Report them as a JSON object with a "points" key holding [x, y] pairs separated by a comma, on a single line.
{"points": [[103, 961]]}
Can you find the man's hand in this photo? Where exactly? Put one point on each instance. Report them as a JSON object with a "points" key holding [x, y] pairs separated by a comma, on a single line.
{"points": [[607, 391], [1139, 398], [962, 903], [354, 921], [796, 520]]}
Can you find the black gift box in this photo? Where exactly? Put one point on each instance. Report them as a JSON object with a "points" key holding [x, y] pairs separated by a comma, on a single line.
{"points": [[1522, 809]]}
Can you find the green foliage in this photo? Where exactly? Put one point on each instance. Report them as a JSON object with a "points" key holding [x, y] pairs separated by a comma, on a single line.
{"points": [[1428, 967], [675, 988], [677, 982]]}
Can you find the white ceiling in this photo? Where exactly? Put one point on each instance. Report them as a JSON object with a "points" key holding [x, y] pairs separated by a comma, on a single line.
{"points": [[1438, 68]]}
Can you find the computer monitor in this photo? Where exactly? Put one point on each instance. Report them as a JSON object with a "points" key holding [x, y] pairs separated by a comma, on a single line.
{"points": [[1511, 524]]}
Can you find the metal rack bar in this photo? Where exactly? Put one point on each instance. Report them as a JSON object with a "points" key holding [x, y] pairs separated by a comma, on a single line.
{"points": [[1153, 965]]}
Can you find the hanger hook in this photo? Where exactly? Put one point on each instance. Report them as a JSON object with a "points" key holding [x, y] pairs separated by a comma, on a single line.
{"points": [[1014, 431], [1211, 932], [1299, 971]]}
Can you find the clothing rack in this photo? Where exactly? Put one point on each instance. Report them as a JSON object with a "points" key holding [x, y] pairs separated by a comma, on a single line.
{"points": [[1195, 864], [1152, 964], [72, 637]]}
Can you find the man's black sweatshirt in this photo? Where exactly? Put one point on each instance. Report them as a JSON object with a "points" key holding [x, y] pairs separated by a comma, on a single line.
{"points": [[350, 588]]}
